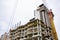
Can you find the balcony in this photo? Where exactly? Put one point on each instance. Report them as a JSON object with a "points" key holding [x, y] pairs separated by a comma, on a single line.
{"points": [[44, 33], [28, 32], [17, 33], [16, 36], [35, 30]]}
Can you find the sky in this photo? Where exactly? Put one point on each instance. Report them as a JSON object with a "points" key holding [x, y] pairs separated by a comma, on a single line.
{"points": [[14, 11]]}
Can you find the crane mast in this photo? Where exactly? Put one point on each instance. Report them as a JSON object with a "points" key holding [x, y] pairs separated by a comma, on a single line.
{"points": [[50, 14], [54, 33]]}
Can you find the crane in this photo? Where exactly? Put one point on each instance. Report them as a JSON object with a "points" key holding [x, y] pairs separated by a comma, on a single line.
{"points": [[50, 13]]}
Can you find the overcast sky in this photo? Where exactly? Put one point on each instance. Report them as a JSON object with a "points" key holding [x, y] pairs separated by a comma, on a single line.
{"points": [[14, 11]]}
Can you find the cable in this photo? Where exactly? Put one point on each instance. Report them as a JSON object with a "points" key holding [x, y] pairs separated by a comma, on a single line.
{"points": [[11, 19]]}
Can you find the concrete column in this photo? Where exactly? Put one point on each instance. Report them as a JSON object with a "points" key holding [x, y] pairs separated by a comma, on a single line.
{"points": [[37, 28], [38, 38], [40, 30], [41, 38], [24, 33], [33, 30]]}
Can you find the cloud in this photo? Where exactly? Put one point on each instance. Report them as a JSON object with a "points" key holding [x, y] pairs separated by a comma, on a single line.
{"points": [[3, 27], [6, 11]]}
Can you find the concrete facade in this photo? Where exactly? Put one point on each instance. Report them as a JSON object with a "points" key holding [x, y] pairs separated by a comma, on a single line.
{"points": [[38, 28], [5, 36]]}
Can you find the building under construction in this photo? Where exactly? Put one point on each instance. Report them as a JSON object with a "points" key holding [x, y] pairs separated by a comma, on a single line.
{"points": [[38, 28]]}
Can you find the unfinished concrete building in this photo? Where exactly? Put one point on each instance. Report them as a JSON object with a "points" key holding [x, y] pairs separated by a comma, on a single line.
{"points": [[5, 36], [38, 28]]}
